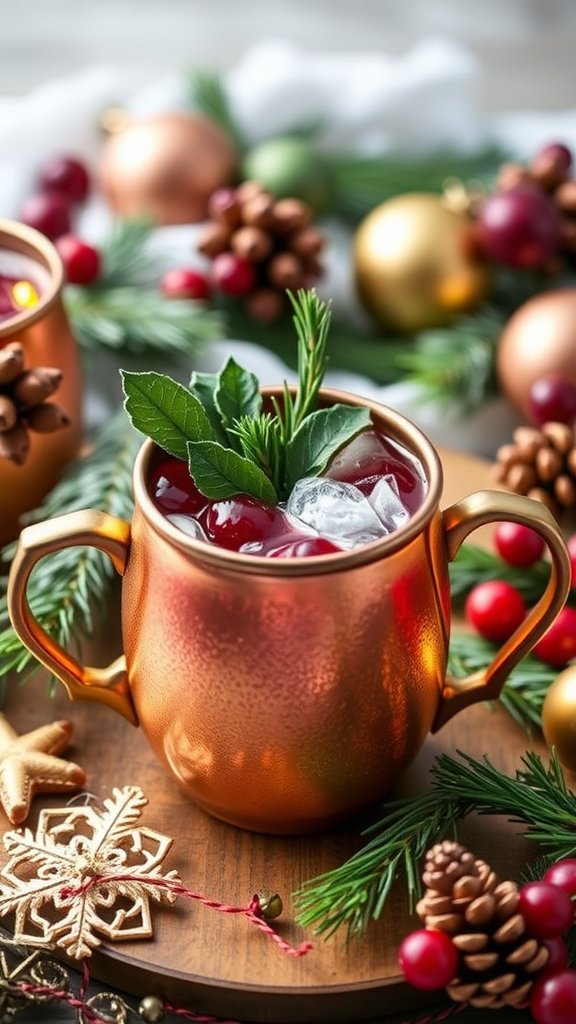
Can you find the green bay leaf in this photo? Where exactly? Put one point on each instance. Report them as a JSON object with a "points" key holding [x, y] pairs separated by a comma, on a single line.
{"points": [[164, 410], [203, 386], [320, 435], [237, 393], [220, 472]]}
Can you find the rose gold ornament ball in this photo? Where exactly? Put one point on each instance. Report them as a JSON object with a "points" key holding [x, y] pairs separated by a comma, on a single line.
{"points": [[165, 168], [559, 717], [538, 341]]}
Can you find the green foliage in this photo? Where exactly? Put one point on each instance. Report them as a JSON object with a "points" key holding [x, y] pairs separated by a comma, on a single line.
{"points": [[68, 588], [536, 798], [233, 446]]}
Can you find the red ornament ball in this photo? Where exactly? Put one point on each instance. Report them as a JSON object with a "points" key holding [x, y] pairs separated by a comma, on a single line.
{"points": [[428, 959], [81, 261], [519, 227]]}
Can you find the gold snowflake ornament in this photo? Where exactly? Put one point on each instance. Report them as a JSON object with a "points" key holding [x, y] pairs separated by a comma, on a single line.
{"points": [[85, 875]]}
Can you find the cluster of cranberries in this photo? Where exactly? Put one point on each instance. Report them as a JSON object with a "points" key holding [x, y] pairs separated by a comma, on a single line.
{"points": [[63, 184], [429, 959], [521, 223], [495, 608]]}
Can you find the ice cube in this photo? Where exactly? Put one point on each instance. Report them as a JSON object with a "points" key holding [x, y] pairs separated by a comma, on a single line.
{"points": [[187, 524], [387, 504], [335, 510]]}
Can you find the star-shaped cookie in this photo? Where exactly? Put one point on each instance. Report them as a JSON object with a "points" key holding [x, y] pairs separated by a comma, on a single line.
{"points": [[29, 765]]}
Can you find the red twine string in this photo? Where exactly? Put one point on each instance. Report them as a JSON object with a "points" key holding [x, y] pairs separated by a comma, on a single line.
{"points": [[253, 911]]}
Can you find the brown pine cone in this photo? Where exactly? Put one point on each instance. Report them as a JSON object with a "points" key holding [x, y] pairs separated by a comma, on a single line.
{"points": [[275, 235], [498, 962], [23, 402], [541, 463]]}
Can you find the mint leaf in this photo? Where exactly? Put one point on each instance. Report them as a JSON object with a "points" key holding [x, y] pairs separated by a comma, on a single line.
{"points": [[203, 386], [237, 394], [319, 437], [220, 472], [165, 411]]}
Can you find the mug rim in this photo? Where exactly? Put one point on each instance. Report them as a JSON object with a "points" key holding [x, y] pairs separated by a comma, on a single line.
{"points": [[404, 431], [27, 241]]}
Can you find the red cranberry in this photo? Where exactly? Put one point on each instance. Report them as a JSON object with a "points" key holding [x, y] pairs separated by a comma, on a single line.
{"points": [[518, 544], [553, 998], [519, 227], [81, 261], [67, 176], [173, 489], [234, 522], [495, 609], [428, 958], [185, 283], [547, 910], [233, 275], [48, 213], [552, 399], [558, 645], [563, 874]]}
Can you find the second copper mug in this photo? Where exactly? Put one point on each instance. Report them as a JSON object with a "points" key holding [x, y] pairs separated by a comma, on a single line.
{"points": [[286, 695]]}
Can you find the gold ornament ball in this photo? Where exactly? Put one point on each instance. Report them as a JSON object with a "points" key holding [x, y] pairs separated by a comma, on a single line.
{"points": [[416, 263], [559, 717], [538, 341], [165, 168]]}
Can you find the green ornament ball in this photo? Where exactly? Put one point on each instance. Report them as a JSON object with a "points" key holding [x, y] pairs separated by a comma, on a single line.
{"points": [[291, 167]]}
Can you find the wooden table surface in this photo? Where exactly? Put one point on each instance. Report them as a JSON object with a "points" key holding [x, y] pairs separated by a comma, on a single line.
{"points": [[219, 964]]}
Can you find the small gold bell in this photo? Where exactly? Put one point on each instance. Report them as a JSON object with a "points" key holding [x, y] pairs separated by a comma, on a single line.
{"points": [[151, 1009]]}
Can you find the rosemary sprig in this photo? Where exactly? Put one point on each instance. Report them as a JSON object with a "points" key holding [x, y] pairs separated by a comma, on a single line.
{"points": [[67, 588], [355, 893]]}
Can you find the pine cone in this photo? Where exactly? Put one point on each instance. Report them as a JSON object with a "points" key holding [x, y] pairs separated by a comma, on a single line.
{"points": [[498, 962], [541, 463], [275, 235], [23, 404]]}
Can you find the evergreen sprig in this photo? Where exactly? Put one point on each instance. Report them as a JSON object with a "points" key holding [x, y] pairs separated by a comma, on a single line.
{"points": [[207, 95], [363, 182], [525, 689], [474, 565], [355, 893], [67, 589], [138, 320]]}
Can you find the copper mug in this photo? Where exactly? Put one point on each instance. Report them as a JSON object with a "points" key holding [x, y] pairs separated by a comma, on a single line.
{"points": [[45, 334], [285, 695]]}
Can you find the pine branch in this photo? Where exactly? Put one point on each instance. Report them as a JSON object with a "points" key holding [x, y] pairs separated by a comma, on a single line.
{"points": [[68, 587], [139, 320], [125, 258], [455, 367], [525, 689], [363, 182], [355, 893], [207, 95], [474, 565]]}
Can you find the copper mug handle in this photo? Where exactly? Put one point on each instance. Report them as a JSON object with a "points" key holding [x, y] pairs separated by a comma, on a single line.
{"points": [[111, 535]]}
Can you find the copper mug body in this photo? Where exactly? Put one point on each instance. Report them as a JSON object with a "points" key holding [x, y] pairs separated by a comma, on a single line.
{"points": [[285, 695], [47, 340]]}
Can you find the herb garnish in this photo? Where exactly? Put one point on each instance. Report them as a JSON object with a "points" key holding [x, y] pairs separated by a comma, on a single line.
{"points": [[218, 426]]}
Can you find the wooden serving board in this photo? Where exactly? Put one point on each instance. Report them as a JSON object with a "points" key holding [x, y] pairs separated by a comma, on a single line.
{"points": [[219, 964]]}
